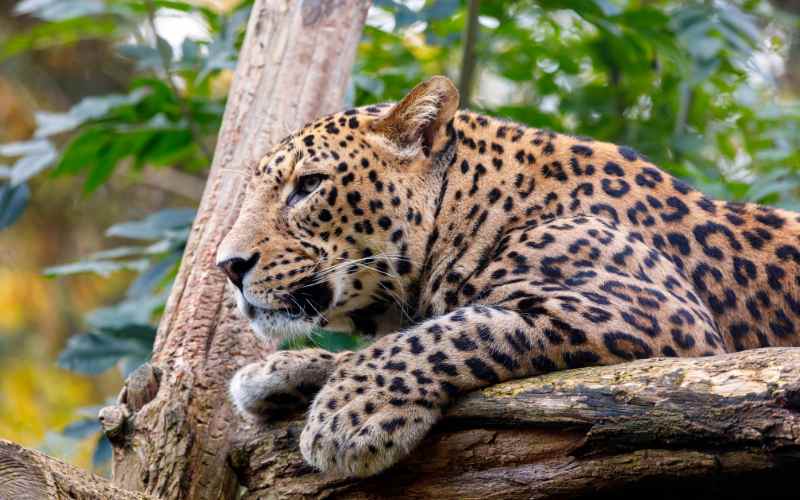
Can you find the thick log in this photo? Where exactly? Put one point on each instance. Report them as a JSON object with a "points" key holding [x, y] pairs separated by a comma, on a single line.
{"points": [[660, 423], [27, 474], [173, 425], [720, 427]]}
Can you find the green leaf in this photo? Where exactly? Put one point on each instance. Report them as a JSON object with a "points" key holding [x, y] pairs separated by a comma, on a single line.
{"points": [[741, 22], [164, 49], [83, 151], [223, 50], [190, 51], [154, 226], [107, 161], [146, 57], [165, 147], [25, 148], [132, 311], [53, 123], [89, 108], [28, 166], [93, 353], [119, 252], [101, 267], [779, 181], [441, 9], [334, 341], [13, 200], [154, 276], [55, 34], [608, 7], [129, 364]]}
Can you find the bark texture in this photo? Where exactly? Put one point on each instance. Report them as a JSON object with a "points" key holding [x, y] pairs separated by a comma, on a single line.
{"points": [[720, 427], [173, 425], [709, 425], [27, 474]]}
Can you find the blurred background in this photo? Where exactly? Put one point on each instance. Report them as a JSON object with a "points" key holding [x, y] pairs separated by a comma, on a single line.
{"points": [[109, 111]]}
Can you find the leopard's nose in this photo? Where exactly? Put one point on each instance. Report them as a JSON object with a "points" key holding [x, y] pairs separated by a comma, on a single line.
{"points": [[236, 268]]}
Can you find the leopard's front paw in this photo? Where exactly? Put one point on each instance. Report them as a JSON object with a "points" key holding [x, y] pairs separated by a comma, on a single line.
{"points": [[360, 425], [285, 380]]}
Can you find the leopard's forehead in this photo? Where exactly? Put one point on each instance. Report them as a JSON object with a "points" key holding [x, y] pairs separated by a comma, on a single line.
{"points": [[326, 138], [341, 122]]}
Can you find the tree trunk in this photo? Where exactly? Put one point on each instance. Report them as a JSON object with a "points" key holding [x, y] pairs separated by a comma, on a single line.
{"points": [[173, 428]]}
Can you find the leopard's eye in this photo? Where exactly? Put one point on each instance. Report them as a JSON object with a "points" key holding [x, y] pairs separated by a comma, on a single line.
{"points": [[306, 185]]}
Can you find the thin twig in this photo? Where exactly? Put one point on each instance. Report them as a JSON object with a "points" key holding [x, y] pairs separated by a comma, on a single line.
{"points": [[468, 57]]}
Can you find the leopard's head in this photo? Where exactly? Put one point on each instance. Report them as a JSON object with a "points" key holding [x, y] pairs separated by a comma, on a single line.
{"points": [[336, 216]]}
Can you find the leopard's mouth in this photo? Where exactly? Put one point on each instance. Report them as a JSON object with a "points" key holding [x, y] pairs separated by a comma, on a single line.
{"points": [[252, 311], [280, 315], [287, 316], [275, 325]]}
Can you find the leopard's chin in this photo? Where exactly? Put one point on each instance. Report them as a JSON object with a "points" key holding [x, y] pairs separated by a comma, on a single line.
{"points": [[276, 325], [279, 326]]}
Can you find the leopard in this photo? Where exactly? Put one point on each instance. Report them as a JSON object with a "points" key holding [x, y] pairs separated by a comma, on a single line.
{"points": [[472, 250]]}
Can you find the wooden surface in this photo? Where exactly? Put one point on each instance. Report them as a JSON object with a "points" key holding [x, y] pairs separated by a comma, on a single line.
{"points": [[720, 427], [659, 423], [27, 474], [173, 425]]}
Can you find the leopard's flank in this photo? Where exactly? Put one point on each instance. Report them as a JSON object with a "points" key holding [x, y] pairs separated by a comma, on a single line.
{"points": [[503, 252]]}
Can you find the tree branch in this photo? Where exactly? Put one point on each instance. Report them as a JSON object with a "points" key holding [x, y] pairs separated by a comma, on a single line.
{"points": [[574, 433], [720, 427], [29, 474], [471, 30], [664, 422]]}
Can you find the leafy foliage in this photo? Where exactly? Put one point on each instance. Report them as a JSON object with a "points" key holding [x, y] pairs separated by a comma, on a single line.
{"points": [[692, 85], [683, 82], [122, 335], [156, 123]]}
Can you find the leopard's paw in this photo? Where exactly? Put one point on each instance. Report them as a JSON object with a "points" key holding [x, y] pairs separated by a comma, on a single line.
{"points": [[357, 429], [285, 380]]}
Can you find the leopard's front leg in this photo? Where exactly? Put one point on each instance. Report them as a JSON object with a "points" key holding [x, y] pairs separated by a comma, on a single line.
{"points": [[381, 401], [578, 295]]}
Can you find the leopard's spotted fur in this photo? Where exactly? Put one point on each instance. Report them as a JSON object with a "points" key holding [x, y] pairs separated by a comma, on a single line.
{"points": [[512, 251]]}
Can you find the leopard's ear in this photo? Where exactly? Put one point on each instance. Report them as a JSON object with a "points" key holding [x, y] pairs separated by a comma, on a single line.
{"points": [[420, 118]]}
